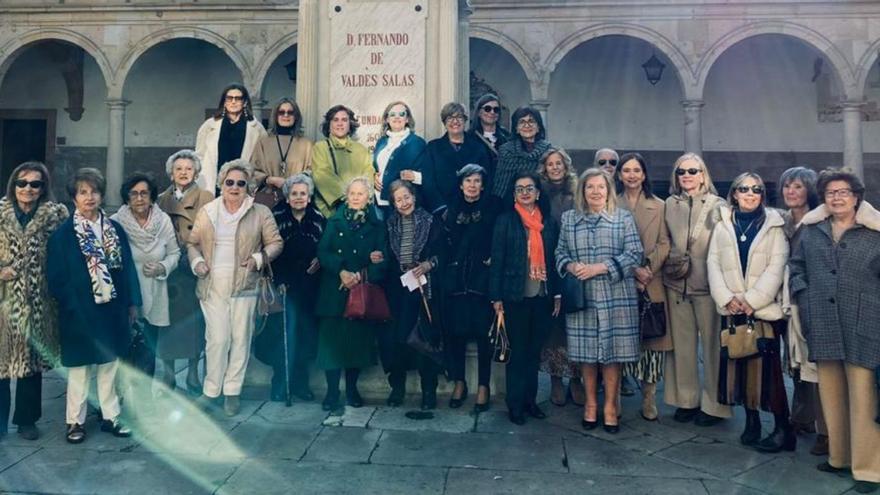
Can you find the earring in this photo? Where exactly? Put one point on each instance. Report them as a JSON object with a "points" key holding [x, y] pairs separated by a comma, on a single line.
{"points": [[223, 112]]}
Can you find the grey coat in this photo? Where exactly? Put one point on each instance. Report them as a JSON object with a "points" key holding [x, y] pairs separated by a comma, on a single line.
{"points": [[837, 287]]}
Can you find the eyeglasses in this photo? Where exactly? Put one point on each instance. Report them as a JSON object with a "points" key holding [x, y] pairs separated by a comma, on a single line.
{"points": [[401, 113], [234, 97], [456, 118], [691, 171], [754, 189], [525, 189], [611, 162], [526, 123], [35, 184], [491, 109], [839, 193], [239, 183], [286, 113], [138, 194]]}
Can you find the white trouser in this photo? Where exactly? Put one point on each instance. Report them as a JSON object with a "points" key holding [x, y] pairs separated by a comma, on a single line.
{"points": [[229, 326], [78, 378]]}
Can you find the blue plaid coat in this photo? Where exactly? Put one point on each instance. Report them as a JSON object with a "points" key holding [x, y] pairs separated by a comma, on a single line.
{"points": [[607, 331]]}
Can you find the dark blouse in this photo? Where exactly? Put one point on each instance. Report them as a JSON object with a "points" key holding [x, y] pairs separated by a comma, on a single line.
{"points": [[231, 140], [300, 244]]}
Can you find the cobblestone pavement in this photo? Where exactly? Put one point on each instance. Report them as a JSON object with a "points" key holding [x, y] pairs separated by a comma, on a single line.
{"points": [[269, 448]]}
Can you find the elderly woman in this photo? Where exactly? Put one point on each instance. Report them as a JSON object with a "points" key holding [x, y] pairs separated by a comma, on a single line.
{"points": [[338, 159], [154, 250], [28, 332], [232, 238], [523, 152], [746, 264], [468, 221], [284, 152], [301, 227], [692, 210], [486, 126], [231, 133], [607, 160], [523, 285], [397, 152], [648, 211], [559, 183], [350, 252], [599, 245], [445, 156], [91, 274], [184, 338], [835, 279], [417, 243], [797, 188]]}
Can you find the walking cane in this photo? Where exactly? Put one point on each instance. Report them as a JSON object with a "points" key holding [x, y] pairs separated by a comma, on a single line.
{"points": [[282, 289]]}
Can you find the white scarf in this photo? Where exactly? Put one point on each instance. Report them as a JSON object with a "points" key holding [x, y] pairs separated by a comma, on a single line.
{"points": [[148, 237]]}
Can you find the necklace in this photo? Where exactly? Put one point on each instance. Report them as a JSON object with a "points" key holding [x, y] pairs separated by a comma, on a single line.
{"points": [[742, 235]]}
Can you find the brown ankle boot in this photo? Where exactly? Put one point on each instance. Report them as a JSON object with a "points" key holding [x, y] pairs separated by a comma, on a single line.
{"points": [[649, 404], [821, 445], [557, 391]]}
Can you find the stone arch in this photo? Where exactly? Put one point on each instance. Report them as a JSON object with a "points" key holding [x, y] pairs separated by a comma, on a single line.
{"points": [[143, 45], [10, 51], [842, 68], [511, 46], [863, 69], [657, 40], [261, 70]]}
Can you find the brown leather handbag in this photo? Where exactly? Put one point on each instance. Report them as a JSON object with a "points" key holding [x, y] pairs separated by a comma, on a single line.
{"points": [[367, 302], [739, 339]]}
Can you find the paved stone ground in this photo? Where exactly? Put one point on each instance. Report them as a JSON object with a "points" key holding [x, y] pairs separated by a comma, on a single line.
{"points": [[270, 449]]}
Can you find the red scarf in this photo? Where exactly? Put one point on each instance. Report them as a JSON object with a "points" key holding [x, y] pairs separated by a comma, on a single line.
{"points": [[534, 224]]}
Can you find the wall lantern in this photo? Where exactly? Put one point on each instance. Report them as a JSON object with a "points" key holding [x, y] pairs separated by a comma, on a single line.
{"points": [[653, 69], [291, 70]]}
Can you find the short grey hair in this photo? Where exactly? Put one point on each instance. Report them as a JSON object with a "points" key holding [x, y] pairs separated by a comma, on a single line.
{"points": [[368, 185], [604, 151], [239, 164], [807, 177], [469, 170], [184, 155], [298, 179]]}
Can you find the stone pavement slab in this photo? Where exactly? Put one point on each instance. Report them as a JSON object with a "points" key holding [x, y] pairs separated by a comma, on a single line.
{"points": [[483, 450], [445, 420], [593, 456], [254, 439], [723, 460], [10, 455], [560, 421], [784, 475], [271, 477], [343, 444], [298, 414], [726, 487]]}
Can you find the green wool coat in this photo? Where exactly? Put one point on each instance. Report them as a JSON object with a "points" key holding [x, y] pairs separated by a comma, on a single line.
{"points": [[345, 343]]}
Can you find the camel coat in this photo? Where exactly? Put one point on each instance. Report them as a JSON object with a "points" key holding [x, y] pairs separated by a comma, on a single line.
{"points": [[677, 215], [649, 215], [267, 157], [206, 147], [761, 285]]}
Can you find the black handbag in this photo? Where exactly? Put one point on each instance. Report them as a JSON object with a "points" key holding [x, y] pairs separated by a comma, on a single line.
{"points": [[426, 337], [573, 299], [498, 339], [652, 317]]}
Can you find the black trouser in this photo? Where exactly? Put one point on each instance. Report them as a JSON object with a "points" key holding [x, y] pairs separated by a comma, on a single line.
{"points": [[528, 324], [457, 357], [28, 397], [428, 369], [298, 376]]}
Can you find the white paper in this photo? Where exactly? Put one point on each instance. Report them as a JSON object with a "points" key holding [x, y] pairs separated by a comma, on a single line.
{"points": [[410, 281]]}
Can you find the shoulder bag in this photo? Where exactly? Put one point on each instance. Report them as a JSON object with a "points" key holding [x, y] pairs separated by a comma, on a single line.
{"points": [[270, 300], [678, 266], [741, 335], [367, 301], [652, 317]]}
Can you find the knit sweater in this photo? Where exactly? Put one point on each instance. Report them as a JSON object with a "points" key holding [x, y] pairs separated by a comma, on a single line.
{"points": [[513, 159]]}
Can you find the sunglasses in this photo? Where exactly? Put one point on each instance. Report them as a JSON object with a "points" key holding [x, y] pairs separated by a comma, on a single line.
{"points": [[285, 113], [234, 98], [401, 113], [754, 189], [691, 171], [611, 162], [35, 184], [239, 183], [491, 109]]}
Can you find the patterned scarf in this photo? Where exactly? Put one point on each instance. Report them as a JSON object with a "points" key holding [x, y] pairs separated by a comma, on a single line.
{"points": [[534, 224], [422, 221], [355, 218], [101, 257]]}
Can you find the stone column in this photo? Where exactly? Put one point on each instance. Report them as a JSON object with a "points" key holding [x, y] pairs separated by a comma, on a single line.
{"points": [[258, 104], [464, 56], [115, 152], [543, 106], [852, 136], [308, 46], [693, 127]]}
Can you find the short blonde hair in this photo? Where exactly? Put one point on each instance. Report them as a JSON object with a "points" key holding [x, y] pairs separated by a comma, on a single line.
{"points": [[706, 187], [410, 120], [239, 164], [580, 201]]}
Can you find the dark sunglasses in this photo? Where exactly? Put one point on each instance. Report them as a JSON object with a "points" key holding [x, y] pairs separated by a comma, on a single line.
{"points": [[692, 171], [491, 109], [754, 189], [611, 162], [288, 113], [35, 184], [234, 98], [239, 183]]}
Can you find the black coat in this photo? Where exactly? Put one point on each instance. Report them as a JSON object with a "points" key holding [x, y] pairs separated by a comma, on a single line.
{"points": [[470, 245], [510, 265], [440, 162], [90, 333]]}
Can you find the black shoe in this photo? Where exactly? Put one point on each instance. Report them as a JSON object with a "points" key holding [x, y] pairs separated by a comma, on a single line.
{"points": [[534, 411], [28, 432], [828, 468], [76, 433], [331, 402], [116, 427], [395, 398], [353, 398], [752, 434], [429, 401], [456, 403], [781, 439], [518, 419], [611, 428], [303, 393], [704, 419], [482, 407], [589, 425], [685, 415], [866, 486], [277, 396]]}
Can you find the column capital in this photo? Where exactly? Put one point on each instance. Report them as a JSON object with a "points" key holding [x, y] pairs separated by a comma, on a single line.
{"points": [[540, 104], [692, 104], [852, 105], [117, 103]]}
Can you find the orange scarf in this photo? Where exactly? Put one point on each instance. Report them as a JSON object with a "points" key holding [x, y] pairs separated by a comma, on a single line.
{"points": [[534, 224]]}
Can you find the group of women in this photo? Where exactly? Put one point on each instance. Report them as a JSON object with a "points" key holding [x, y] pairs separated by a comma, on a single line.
{"points": [[494, 226]]}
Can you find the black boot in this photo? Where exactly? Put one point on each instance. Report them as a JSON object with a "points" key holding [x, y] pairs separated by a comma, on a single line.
{"points": [[782, 438], [331, 400], [397, 380], [352, 396], [429, 392], [752, 434]]}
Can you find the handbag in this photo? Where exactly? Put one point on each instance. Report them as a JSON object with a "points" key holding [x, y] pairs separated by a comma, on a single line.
{"points": [[652, 317], [269, 298], [741, 335], [367, 301], [678, 266], [498, 339], [426, 337], [268, 196], [572, 288]]}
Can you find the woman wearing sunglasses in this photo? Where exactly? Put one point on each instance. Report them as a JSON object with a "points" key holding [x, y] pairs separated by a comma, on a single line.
{"points": [[232, 238], [283, 153], [486, 126], [691, 214], [27, 217], [746, 266], [606, 159], [396, 153]]}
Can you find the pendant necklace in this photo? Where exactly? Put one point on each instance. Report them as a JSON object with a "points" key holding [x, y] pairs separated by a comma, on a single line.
{"points": [[742, 236]]}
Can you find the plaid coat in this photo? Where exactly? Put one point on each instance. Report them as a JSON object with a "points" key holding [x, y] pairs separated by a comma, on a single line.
{"points": [[607, 331], [837, 287]]}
